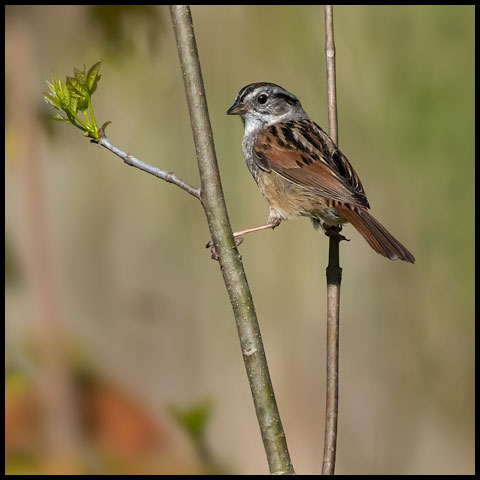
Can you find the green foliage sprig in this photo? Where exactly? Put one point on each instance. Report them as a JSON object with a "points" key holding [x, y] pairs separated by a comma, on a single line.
{"points": [[193, 420], [74, 96]]}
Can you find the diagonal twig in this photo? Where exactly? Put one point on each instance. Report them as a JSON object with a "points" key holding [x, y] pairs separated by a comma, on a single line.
{"points": [[135, 162], [231, 265]]}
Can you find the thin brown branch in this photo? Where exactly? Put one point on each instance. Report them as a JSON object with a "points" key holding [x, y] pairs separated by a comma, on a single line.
{"points": [[231, 265], [135, 162], [334, 274], [331, 74]]}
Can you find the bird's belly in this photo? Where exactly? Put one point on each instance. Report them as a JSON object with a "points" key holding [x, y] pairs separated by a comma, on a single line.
{"points": [[288, 200]]}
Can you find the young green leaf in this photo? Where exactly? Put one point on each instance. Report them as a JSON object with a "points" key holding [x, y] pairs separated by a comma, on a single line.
{"points": [[52, 100], [58, 118], [65, 98], [80, 75], [74, 104], [93, 77], [82, 103], [51, 87], [75, 86]]}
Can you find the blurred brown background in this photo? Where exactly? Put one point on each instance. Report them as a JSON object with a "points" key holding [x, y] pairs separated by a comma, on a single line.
{"points": [[115, 313]]}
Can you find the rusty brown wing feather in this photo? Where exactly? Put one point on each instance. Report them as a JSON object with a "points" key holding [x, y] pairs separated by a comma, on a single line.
{"points": [[303, 153]]}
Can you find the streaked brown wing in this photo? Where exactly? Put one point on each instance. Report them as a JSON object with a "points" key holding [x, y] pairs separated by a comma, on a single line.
{"points": [[303, 153]]}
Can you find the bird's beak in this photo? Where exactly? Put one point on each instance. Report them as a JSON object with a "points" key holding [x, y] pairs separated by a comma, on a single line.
{"points": [[237, 109]]}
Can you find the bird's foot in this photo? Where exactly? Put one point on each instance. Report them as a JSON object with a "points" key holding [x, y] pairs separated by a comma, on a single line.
{"points": [[334, 232], [213, 250]]}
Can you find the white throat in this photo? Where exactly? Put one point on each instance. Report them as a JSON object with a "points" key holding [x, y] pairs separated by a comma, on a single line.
{"points": [[255, 122]]}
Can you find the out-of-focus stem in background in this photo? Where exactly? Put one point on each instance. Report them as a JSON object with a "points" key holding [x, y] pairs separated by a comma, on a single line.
{"points": [[50, 374]]}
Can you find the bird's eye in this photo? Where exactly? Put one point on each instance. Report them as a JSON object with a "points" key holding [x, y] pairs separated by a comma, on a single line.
{"points": [[262, 99]]}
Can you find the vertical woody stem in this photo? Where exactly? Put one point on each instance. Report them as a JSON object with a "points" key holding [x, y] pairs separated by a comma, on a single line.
{"points": [[334, 273]]}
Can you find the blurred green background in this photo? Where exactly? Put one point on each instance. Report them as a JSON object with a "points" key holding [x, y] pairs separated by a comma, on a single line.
{"points": [[116, 317]]}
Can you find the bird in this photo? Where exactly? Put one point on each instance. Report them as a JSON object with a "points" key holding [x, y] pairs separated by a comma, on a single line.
{"points": [[301, 171]]}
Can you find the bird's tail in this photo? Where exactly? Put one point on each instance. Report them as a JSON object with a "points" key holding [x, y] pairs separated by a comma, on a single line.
{"points": [[376, 234]]}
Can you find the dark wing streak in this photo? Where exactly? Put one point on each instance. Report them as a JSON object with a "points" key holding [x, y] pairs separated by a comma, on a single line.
{"points": [[337, 161], [310, 164]]}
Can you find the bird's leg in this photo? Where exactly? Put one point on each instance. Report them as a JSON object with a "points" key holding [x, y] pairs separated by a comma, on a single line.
{"points": [[272, 223]]}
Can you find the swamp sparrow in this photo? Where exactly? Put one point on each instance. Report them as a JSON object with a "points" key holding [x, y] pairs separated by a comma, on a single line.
{"points": [[301, 172]]}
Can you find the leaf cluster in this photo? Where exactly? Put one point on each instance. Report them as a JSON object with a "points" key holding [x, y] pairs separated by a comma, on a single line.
{"points": [[74, 96]]}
